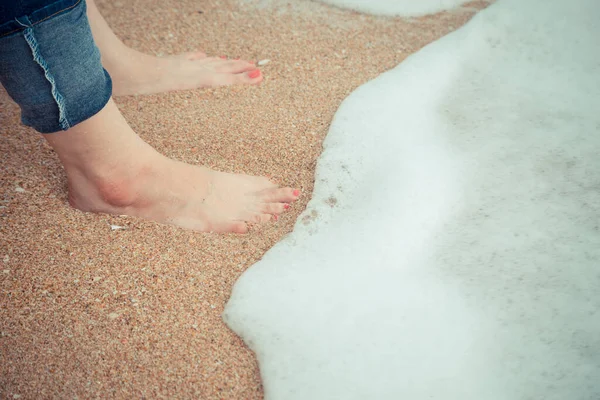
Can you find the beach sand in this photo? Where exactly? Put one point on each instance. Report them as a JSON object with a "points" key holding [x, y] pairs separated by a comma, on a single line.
{"points": [[88, 311]]}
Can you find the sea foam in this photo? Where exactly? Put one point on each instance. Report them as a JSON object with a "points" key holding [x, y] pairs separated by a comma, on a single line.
{"points": [[451, 249], [405, 8]]}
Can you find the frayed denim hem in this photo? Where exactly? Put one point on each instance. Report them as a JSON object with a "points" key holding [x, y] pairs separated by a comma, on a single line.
{"points": [[37, 57], [52, 68]]}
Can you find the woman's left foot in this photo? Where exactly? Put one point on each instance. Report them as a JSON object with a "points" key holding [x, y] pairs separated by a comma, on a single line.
{"points": [[134, 72], [138, 73]]}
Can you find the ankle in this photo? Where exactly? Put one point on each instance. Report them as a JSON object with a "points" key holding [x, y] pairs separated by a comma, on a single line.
{"points": [[114, 191], [133, 70]]}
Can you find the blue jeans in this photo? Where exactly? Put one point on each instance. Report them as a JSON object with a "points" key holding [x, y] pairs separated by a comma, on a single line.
{"points": [[50, 65]]}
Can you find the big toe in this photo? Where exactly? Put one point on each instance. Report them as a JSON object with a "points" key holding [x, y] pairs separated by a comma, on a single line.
{"points": [[253, 77]]}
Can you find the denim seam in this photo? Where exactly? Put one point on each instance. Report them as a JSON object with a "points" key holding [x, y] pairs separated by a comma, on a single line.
{"points": [[42, 20], [37, 57]]}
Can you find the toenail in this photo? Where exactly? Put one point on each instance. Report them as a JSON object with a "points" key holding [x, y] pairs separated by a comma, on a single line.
{"points": [[254, 74], [275, 217], [223, 57], [296, 193], [286, 206]]}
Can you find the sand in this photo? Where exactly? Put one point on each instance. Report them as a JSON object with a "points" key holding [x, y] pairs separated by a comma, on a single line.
{"points": [[87, 311]]}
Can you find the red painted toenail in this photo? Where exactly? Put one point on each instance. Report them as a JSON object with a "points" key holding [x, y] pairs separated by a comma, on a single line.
{"points": [[286, 206], [223, 57], [254, 74], [275, 217], [296, 193]]}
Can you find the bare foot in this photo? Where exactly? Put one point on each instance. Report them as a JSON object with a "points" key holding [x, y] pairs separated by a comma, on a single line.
{"points": [[111, 170], [190, 197], [138, 73]]}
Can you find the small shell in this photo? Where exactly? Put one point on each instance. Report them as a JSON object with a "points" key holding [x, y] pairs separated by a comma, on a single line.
{"points": [[263, 62], [117, 227], [19, 189]]}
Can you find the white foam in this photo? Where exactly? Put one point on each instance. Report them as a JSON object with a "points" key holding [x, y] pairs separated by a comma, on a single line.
{"points": [[406, 8], [452, 247]]}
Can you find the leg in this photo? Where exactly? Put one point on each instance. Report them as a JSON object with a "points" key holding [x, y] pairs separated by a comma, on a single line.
{"points": [[104, 177], [137, 73], [51, 68]]}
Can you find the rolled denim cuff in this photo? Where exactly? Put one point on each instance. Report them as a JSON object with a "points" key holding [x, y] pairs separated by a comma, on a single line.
{"points": [[51, 67]]}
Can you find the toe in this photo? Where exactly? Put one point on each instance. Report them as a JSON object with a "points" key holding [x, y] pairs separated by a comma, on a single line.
{"points": [[273, 208], [257, 218], [235, 67], [226, 79], [263, 218], [279, 195], [239, 227], [253, 77]]}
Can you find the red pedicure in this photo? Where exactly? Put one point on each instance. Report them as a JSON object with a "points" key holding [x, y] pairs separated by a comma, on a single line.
{"points": [[254, 74], [223, 57], [296, 193], [275, 217], [286, 206]]}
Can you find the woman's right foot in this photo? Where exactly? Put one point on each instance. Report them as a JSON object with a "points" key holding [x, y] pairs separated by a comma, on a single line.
{"points": [[112, 170], [191, 197]]}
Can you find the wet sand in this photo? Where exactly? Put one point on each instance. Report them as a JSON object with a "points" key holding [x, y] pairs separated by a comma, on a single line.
{"points": [[91, 312]]}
